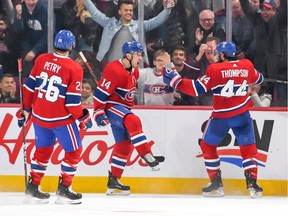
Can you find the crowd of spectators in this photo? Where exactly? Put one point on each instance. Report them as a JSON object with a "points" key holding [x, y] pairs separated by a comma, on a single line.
{"points": [[189, 32]]}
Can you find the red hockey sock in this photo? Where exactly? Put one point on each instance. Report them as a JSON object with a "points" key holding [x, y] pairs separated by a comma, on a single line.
{"points": [[122, 150], [210, 154], [134, 128], [40, 158], [249, 155], [69, 166]]}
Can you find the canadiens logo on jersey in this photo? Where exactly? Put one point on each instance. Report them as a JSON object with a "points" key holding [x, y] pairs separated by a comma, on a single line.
{"points": [[156, 89], [229, 151], [129, 96]]}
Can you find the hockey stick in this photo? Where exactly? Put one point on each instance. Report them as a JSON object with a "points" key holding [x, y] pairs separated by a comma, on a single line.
{"points": [[274, 80], [23, 127], [88, 66], [195, 68]]}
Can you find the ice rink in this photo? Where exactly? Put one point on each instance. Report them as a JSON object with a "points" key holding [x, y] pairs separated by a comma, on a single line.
{"points": [[147, 205]]}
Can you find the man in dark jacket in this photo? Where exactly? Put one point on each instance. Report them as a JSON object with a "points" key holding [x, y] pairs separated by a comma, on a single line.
{"points": [[30, 23], [270, 27]]}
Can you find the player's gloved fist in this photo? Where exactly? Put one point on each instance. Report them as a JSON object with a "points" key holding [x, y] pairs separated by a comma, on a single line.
{"points": [[85, 120], [171, 76], [23, 117], [100, 117]]}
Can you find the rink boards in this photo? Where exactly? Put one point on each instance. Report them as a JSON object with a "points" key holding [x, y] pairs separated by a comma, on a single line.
{"points": [[174, 134]]}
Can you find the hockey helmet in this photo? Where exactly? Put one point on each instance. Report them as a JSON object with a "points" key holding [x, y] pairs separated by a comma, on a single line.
{"points": [[131, 47], [64, 39], [226, 47]]}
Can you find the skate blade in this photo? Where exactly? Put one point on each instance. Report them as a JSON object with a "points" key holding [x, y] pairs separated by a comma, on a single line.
{"points": [[215, 193], [116, 192], [64, 200], [33, 200], [255, 194], [156, 168]]}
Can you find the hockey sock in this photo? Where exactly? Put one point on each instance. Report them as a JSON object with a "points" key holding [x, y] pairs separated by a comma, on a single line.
{"points": [[69, 166], [211, 159], [119, 157], [39, 163], [138, 138], [249, 155]]}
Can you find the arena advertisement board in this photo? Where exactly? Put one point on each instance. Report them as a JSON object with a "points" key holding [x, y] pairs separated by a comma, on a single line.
{"points": [[174, 135]]}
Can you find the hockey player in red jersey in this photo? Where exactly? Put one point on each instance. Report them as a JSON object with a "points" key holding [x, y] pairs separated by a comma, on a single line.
{"points": [[113, 100], [228, 79], [52, 97]]}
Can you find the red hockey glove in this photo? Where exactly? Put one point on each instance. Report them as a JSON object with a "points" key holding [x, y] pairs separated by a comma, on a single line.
{"points": [[100, 117], [171, 76], [85, 120], [23, 117]]}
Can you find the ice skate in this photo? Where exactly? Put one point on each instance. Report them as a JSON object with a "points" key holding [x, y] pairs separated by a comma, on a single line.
{"points": [[65, 195], [34, 194], [214, 188], [151, 161], [115, 187], [254, 189]]}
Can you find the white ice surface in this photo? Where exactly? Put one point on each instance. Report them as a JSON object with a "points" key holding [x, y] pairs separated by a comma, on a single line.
{"points": [[11, 204]]}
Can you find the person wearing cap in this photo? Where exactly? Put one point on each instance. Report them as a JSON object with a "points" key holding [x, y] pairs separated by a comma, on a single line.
{"points": [[270, 53]]}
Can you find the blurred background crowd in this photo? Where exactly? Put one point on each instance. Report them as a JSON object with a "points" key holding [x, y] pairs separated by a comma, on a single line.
{"points": [[189, 32]]}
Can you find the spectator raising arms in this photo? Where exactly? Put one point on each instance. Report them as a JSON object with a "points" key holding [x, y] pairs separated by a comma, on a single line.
{"points": [[270, 53], [116, 32]]}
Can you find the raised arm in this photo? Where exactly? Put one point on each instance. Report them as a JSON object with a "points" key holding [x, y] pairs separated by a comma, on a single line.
{"points": [[160, 18], [96, 14]]}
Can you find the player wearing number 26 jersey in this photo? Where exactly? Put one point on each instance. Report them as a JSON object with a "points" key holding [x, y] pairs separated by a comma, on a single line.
{"points": [[228, 79], [52, 97], [54, 89]]}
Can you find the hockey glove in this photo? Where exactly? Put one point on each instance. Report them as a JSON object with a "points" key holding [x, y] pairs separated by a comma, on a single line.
{"points": [[85, 120], [100, 117], [23, 117], [171, 76]]}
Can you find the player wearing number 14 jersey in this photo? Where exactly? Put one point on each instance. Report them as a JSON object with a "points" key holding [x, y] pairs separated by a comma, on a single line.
{"points": [[228, 79], [52, 97], [113, 100]]}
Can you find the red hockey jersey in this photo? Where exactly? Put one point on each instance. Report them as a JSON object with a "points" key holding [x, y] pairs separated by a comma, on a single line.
{"points": [[53, 91], [116, 86], [229, 83]]}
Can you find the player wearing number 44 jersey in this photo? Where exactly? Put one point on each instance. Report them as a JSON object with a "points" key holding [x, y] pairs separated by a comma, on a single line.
{"points": [[228, 79], [113, 100], [52, 98]]}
